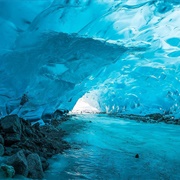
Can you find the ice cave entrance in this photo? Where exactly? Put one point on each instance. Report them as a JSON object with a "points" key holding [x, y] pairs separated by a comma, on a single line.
{"points": [[83, 106]]}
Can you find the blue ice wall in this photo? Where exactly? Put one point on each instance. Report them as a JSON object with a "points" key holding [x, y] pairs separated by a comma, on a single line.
{"points": [[122, 54]]}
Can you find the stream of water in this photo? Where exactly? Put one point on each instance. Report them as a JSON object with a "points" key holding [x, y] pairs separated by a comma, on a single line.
{"points": [[105, 148]]}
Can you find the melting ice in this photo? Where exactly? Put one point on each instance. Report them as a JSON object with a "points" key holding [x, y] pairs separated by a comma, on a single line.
{"points": [[123, 54]]}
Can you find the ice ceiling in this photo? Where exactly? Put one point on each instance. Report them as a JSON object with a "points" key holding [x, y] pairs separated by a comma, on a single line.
{"points": [[118, 55]]}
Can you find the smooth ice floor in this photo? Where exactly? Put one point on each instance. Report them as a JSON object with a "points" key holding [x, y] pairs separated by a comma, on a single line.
{"points": [[104, 148]]}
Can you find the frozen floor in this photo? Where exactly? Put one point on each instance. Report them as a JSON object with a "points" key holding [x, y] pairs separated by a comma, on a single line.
{"points": [[104, 148]]}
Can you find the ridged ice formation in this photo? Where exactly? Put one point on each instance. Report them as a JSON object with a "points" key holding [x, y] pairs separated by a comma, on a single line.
{"points": [[122, 55]]}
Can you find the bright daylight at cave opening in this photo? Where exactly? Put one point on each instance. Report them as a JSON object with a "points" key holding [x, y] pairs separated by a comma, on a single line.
{"points": [[82, 106]]}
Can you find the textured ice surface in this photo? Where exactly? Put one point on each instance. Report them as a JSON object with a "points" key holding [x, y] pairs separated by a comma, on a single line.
{"points": [[120, 56]]}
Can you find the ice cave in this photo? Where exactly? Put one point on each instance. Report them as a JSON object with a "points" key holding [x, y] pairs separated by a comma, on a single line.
{"points": [[90, 89]]}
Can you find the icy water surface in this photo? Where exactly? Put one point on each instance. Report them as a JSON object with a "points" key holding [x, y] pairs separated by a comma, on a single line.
{"points": [[104, 148]]}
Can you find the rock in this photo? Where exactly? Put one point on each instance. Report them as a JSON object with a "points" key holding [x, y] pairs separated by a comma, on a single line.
{"points": [[25, 124], [11, 150], [44, 162], [178, 122], [28, 132], [24, 99], [35, 166], [14, 146], [19, 162], [11, 138], [155, 116], [8, 170], [47, 114], [36, 126], [21, 140], [58, 114], [55, 122], [47, 121], [8, 151], [46, 117], [50, 154], [11, 124], [27, 152], [29, 145], [1, 150], [1, 140]]}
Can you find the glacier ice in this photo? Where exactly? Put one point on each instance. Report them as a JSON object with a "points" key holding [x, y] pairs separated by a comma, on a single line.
{"points": [[119, 56]]}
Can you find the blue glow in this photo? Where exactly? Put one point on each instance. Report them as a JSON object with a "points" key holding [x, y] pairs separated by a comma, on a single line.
{"points": [[119, 56]]}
